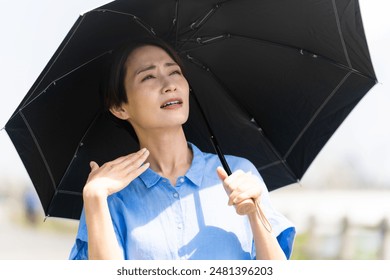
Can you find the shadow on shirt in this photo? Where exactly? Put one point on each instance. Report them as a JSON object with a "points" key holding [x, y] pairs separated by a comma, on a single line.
{"points": [[213, 243]]}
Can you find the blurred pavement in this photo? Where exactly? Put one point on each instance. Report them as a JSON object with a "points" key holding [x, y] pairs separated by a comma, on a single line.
{"points": [[20, 241]]}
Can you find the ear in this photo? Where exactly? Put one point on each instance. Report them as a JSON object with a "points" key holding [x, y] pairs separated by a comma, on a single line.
{"points": [[119, 112]]}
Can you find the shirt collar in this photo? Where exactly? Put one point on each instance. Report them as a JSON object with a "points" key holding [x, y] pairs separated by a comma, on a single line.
{"points": [[196, 171], [150, 178], [194, 174]]}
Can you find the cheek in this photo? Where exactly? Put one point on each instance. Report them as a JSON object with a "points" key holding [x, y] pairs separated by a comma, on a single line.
{"points": [[185, 87], [141, 107]]}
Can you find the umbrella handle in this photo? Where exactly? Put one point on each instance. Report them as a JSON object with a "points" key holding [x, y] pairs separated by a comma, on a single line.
{"points": [[245, 207], [248, 206]]}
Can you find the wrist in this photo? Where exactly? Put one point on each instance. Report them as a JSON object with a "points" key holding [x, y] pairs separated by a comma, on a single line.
{"points": [[91, 193], [258, 218]]}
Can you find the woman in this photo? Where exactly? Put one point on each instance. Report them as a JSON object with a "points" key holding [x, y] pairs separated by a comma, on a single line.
{"points": [[168, 200]]}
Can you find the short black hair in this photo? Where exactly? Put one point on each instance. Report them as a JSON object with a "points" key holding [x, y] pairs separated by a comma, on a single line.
{"points": [[114, 93]]}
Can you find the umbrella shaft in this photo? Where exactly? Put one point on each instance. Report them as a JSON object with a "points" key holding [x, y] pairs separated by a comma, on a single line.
{"points": [[213, 139], [220, 155]]}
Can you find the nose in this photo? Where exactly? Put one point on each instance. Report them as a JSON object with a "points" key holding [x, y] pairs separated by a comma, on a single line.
{"points": [[168, 86]]}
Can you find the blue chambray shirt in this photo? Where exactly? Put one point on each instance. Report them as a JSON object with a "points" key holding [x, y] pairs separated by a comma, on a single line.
{"points": [[192, 220]]}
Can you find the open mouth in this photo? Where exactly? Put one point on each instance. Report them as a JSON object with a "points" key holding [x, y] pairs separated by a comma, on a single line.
{"points": [[171, 103]]}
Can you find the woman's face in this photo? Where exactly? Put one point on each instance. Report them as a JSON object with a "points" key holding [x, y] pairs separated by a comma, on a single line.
{"points": [[157, 91]]}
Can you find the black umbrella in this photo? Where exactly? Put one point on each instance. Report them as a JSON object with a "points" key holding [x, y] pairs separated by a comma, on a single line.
{"points": [[274, 79]]}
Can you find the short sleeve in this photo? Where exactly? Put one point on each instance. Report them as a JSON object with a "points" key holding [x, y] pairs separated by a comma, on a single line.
{"points": [[283, 229], [286, 241], [80, 248]]}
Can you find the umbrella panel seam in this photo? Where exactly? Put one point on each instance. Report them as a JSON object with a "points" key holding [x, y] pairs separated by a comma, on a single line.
{"points": [[341, 33], [53, 83], [76, 151], [218, 38], [69, 192], [134, 18], [200, 22], [315, 115], [55, 59], [38, 148], [57, 190], [243, 109]]}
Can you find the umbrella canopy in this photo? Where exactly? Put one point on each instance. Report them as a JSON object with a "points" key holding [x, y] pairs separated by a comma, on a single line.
{"points": [[273, 79]]}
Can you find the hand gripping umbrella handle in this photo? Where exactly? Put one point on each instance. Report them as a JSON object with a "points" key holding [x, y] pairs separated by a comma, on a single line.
{"points": [[250, 205], [245, 207]]}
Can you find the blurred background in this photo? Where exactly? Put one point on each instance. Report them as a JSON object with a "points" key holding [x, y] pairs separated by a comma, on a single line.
{"points": [[341, 208]]}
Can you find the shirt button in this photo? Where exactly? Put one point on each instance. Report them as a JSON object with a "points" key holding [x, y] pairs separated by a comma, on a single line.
{"points": [[181, 180], [175, 195]]}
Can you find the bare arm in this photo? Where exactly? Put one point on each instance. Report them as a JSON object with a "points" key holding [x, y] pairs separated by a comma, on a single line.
{"points": [[103, 181], [267, 246], [241, 186]]}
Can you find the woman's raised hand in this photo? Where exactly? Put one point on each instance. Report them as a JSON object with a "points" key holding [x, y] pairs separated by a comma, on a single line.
{"points": [[115, 175]]}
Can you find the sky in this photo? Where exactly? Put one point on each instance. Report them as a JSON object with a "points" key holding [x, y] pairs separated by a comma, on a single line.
{"points": [[31, 31]]}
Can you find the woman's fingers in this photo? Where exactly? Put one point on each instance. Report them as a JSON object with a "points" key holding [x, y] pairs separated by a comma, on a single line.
{"points": [[237, 186], [238, 197], [113, 176], [241, 186], [126, 158], [135, 162], [94, 166], [135, 173], [125, 162]]}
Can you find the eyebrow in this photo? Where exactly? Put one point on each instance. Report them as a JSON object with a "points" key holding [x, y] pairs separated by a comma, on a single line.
{"points": [[151, 67]]}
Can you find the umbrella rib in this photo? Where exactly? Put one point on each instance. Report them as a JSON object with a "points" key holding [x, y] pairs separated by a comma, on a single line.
{"points": [[69, 192], [341, 34], [52, 62], [176, 22], [213, 139], [216, 78], [206, 41], [197, 25], [53, 83], [39, 149], [175, 26], [57, 190], [77, 149], [330, 96], [134, 17], [57, 56], [238, 104]]}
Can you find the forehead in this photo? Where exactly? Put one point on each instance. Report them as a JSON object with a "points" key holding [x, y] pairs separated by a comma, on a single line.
{"points": [[147, 55]]}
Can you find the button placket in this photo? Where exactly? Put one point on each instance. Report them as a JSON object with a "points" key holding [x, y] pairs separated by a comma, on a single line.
{"points": [[179, 219]]}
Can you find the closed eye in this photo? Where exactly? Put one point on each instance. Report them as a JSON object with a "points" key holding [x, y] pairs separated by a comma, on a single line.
{"points": [[176, 72], [147, 77]]}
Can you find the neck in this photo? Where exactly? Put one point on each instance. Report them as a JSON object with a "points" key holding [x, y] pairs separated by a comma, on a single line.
{"points": [[169, 153]]}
